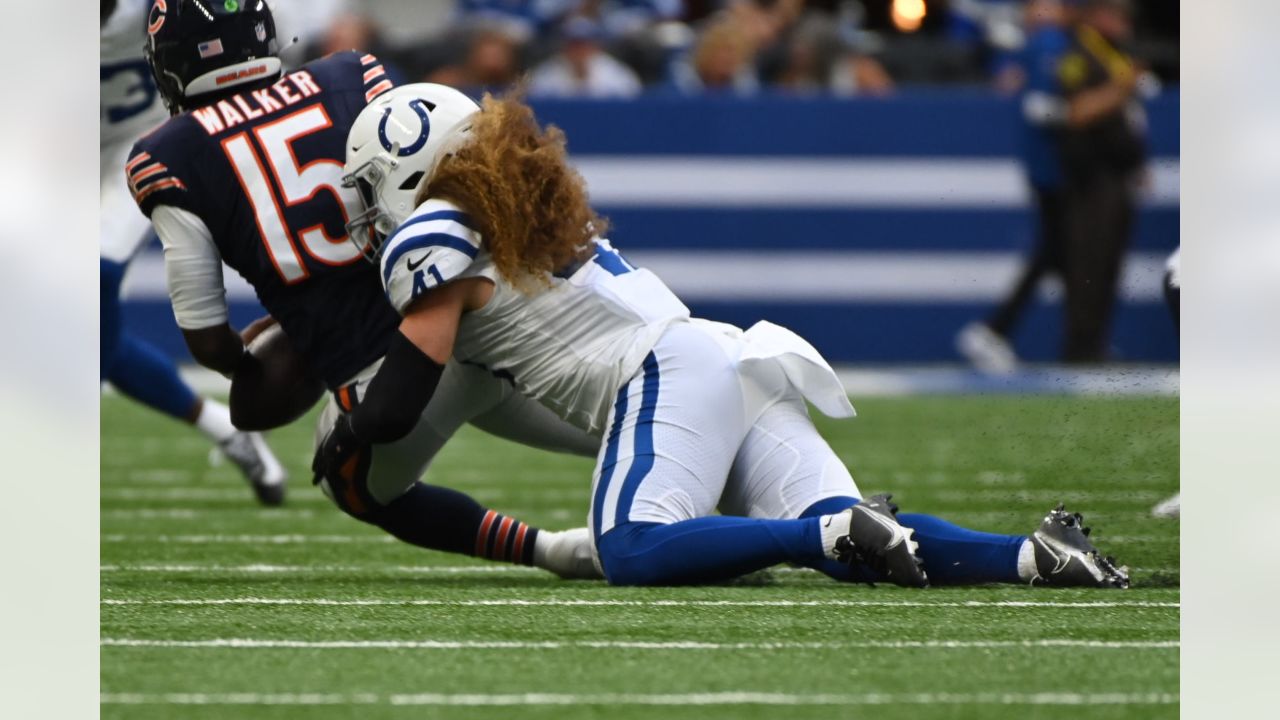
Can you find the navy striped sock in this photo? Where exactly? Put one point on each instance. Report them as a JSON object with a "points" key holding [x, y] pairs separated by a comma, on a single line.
{"points": [[505, 538]]}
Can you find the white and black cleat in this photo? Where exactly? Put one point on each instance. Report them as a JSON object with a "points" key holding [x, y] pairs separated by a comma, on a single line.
{"points": [[875, 539], [1066, 558], [259, 466]]}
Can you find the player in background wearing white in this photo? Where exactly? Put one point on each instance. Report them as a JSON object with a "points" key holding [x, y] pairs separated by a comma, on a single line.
{"points": [[495, 258], [130, 106]]}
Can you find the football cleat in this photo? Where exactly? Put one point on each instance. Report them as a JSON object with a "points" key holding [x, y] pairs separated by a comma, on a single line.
{"points": [[259, 466], [1066, 558], [875, 539], [1169, 508], [987, 350]]}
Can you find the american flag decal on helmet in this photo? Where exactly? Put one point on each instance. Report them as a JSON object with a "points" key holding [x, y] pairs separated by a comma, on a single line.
{"points": [[209, 49]]}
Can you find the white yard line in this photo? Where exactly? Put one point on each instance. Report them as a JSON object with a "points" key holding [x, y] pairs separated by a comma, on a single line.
{"points": [[248, 643], [614, 699], [288, 569], [570, 602], [264, 569], [247, 539]]}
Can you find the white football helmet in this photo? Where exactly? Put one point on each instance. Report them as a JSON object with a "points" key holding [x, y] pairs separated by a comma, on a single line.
{"points": [[392, 148]]}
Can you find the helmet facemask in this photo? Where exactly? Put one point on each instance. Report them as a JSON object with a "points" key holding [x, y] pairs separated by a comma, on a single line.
{"points": [[370, 228]]}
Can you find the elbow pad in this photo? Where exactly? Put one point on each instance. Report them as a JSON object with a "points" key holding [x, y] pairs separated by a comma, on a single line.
{"points": [[397, 395]]}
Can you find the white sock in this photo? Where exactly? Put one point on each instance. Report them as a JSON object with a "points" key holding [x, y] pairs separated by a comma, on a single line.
{"points": [[1027, 562], [215, 421], [833, 527]]}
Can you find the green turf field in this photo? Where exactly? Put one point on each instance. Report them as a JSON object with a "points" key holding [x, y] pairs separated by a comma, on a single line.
{"points": [[330, 620]]}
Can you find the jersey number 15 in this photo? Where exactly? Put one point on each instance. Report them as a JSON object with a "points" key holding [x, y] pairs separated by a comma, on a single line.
{"points": [[290, 185]]}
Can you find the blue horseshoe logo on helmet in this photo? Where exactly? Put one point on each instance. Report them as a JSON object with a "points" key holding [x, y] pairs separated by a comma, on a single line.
{"points": [[420, 107]]}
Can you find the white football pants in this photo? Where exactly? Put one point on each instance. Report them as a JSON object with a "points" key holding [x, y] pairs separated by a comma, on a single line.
{"points": [[716, 418]]}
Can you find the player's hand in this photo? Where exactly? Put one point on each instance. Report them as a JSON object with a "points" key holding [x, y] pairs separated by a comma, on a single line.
{"points": [[339, 454]]}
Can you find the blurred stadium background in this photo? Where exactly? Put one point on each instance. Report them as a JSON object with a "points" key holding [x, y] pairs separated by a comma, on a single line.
{"points": [[851, 169]]}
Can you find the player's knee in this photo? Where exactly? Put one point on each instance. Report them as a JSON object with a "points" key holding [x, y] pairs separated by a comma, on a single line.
{"points": [[625, 557]]}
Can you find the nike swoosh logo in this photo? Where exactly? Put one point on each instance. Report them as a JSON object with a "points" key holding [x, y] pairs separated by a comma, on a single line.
{"points": [[415, 265], [893, 527]]}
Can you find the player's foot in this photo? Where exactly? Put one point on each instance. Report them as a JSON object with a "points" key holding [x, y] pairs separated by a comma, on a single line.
{"points": [[1170, 508], [1066, 558], [986, 349], [260, 467], [875, 539], [567, 554]]}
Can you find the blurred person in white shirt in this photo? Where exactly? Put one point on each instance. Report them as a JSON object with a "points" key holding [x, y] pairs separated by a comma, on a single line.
{"points": [[582, 68]]}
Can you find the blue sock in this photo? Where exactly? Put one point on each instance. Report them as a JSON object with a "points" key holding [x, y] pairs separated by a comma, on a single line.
{"points": [[137, 369], [952, 555], [145, 374], [958, 556], [110, 275], [704, 550]]}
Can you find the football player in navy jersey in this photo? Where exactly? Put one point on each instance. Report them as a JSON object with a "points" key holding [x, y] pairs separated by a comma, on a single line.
{"points": [[248, 171], [130, 106]]}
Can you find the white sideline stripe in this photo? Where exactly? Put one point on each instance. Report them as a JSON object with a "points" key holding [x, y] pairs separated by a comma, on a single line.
{"points": [[833, 276], [901, 380], [811, 182], [565, 602], [252, 644], [417, 569], [722, 698], [248, 539]]}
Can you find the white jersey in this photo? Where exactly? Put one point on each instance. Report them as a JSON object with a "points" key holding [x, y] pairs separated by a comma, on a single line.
{"points": [[570, 346], [130, 107], [128, 101]]}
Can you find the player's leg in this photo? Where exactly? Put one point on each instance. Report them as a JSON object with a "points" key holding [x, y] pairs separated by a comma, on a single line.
{"points": [[786, 469], [673, 433], [385, 488], [522, 420], [139, 370], [142, 372]]}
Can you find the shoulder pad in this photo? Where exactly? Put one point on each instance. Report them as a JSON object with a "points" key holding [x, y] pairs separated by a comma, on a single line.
{"points": [[367, 69], [151, 173], [435, 245]]}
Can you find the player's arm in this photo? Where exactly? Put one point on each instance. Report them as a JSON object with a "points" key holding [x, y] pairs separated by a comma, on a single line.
{"points": [[415, 360], [193, 270], [410, 372]]}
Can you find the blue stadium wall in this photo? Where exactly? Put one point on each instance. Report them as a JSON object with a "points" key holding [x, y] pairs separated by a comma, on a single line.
{"points": [[874, 228]]}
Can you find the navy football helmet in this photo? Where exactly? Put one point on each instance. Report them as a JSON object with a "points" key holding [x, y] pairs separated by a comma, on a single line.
{"points": [[200, 49]]}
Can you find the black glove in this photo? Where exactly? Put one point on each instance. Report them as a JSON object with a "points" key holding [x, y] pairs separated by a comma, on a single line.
{"points": [[338, 457]]}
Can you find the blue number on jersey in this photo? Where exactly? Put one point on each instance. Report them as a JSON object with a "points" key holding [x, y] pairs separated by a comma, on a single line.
{"points": [[609, 259], [142, 88]]}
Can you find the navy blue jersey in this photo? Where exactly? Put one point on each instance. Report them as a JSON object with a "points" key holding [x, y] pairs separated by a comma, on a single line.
{"points": [[263, 170]]}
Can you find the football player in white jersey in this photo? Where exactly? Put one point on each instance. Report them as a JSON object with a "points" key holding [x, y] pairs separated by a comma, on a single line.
{"points": [[489, 250], [130, 107]]}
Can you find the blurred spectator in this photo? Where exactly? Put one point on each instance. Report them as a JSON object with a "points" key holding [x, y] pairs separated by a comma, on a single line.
{"points": [[721, 62], [582, 68], [520, 20], [1103, 152], [989, 345], [490, 62], [857, 73], [621, 18]]}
